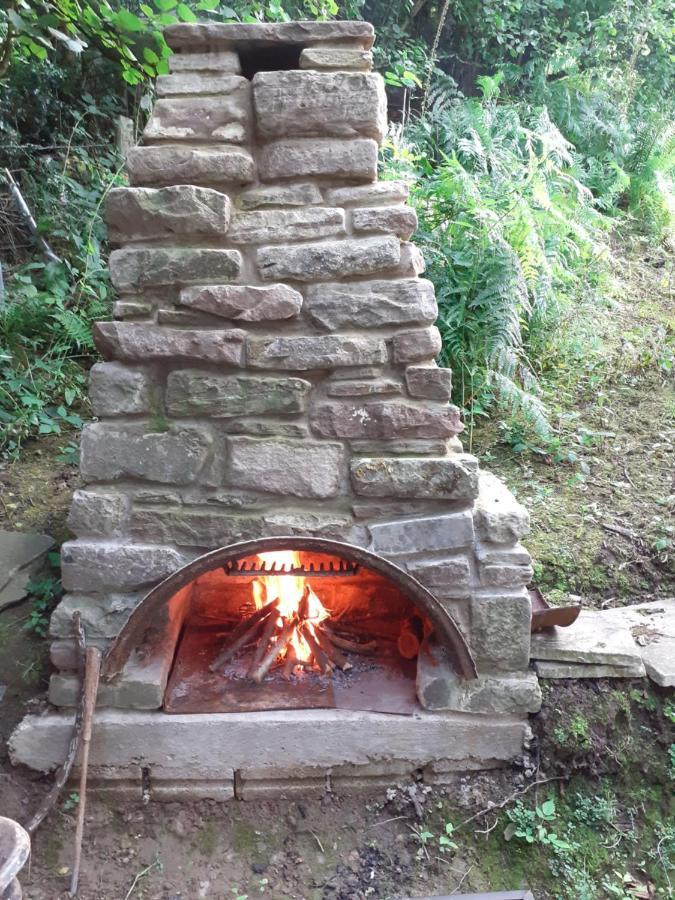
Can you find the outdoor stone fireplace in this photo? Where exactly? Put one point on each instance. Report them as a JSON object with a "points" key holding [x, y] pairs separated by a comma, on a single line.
{"points": [[271, 427]]}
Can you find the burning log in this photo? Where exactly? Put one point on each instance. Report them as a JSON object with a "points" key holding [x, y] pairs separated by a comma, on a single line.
{"points": [[322, 659], [259, 672], [243, 633], [366, 648], [331, 651], [410, 638]]}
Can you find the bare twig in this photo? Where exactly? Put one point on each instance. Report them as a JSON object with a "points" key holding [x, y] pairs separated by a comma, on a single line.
{"points": [[50, 800], [462, 879], [155, 864], [27, 217], [510, 799], [316, 838], [617, 529]]}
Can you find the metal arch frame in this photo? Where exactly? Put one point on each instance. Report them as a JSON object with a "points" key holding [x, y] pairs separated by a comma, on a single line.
{"points": [[150, 608]]}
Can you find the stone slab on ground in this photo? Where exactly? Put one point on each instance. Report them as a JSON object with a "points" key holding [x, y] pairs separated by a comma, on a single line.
{"points": [[21, 556], [624, 642], [203, 750]]}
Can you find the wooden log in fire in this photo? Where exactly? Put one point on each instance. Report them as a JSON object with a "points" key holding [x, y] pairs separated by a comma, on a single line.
{"points": [[331, 651], [277, 648], [243, 633], [366, 648]]}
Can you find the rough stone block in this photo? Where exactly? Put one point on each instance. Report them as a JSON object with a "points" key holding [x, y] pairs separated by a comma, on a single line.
{"points": [[130, 693], [223, 118], [328, 259], [267, 427], [270, 195], [135, 309], [272, 225], [489, 554], [383, 420], [301, 468], [412, 261], [220, 61], [117, 390], [244, 303], [499, 517], [102, 615], [217, 35], [324, 158], [500, 631], [559, 670], [144, 213], [398, 220], [22, 557], [447, 578], [136, 342], [395, 447], [439, 688], [368, 194], [592, 638], [204, 83], [429, 382], [443, 477], [334, 526], [306, 104], [304, 353], [363, 388], [116, 567], [501, 575], [426, 533], [135, 268], [368, 304], [415, 346], [98, 514], [191, 392], [170, 163], [193, 527], [176, 456], [336, 58]]}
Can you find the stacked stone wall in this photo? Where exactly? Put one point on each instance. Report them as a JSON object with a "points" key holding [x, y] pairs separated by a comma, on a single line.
{"points": [[270, 368]]}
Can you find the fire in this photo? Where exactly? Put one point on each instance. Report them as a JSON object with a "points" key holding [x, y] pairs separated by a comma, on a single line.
{"points": [[291, 590]]}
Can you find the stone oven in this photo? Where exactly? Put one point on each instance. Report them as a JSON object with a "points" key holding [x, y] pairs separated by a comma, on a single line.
{"points": [[299, 577]]}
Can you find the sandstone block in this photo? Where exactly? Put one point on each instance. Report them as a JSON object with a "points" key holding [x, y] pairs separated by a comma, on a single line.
{"points": [[306, 104], [118, 567], [439, 688], [442, 477], [333, 526], [217, 35], [190, 392], [304, 353], [328, 259], [225, 118], [362, 388], [412, 261], [499, 517], [368, 194], [146, 213], [267, 427], [170, 163], [176, 456], [446, 578], [489, 554], [98, 514], [136, 342], [383, 420], [102, 615], [194, 527], [299, 468], [135, 268], [594, 639], [304, 194], [331, 58], [398, 220], [117, 390], [326, 158], [500, 631], [425, 533], [244, 303], [429, 382], [558, 670], [138, 691], [262, 226], [368, 304], [219, 61], [415, 346], [505, 576], [204, 83], [395, 447], [134, 309]]}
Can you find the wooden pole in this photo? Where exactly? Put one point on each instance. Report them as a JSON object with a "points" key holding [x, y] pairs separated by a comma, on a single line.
{"points": [[92, 672]]}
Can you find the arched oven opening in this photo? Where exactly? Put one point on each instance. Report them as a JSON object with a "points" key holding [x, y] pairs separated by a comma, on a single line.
{"points": [[289, 623]]}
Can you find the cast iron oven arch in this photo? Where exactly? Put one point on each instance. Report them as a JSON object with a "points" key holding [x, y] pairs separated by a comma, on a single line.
{"points": [[145, 618]]}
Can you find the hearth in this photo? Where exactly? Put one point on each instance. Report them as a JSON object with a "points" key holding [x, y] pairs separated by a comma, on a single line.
{"points": [[272, 430]]}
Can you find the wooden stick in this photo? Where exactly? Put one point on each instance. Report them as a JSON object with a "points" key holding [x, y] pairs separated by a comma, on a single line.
{"points": [[92, 673], [366, 648], [281, 643], [263, 644], [241, 635], [322, 660], [331, 651]]}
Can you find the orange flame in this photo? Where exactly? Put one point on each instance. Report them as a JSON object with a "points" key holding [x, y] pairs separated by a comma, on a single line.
{"points": [[290, 590]]}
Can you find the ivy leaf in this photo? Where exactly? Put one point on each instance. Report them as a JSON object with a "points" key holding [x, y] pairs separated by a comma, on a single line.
{"points": [[150, 56], [127, 21], [185, 14]]}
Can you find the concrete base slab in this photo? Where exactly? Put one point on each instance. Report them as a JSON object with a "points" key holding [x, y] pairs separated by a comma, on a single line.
{"points": [[554, 670], [266, 754], [592, 639], [652, 626]]}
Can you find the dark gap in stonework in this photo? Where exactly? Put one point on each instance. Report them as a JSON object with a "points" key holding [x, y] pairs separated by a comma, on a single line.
{"points": [[279, 58]]}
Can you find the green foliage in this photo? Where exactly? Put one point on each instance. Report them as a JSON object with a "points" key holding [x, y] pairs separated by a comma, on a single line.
{"points": [[44, 595], [532, 825]]}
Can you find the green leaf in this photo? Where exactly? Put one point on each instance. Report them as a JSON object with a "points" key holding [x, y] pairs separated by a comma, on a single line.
{"points": [[127, 21], [150, 56], [165, 5], [548, 808], [208, 5], [185, 14]]}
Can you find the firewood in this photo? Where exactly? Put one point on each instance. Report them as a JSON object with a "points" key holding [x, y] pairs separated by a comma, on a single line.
{"points": [[242, 634], [322, 660], [367, 648], [410, 638], [269, 629], [277, 648], [331, 651]]}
